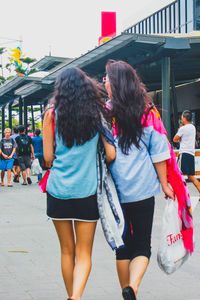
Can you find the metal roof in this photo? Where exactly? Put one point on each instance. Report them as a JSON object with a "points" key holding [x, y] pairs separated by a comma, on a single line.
{"points": [[49, 62], [144, 52]]}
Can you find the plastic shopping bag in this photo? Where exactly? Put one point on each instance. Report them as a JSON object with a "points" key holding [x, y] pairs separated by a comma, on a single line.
{"points": [[35, 167], [171, 252]]}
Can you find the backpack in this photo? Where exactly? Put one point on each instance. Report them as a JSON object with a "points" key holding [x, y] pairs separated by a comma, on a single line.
{"points": [[23, 145]]}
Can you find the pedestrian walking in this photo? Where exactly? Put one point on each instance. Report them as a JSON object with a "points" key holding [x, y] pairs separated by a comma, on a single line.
{"points": [[16, 168], [186, 136], [7, 151], [197, 143], [38, 149], [24, 152], [72, 183], [141, 154]]}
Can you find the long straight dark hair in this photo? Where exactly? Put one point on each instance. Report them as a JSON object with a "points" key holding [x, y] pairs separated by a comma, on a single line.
{"points": [[128, 102], [79, 107]]}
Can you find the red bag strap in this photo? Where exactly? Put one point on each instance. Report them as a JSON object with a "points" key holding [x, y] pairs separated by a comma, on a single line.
{"points": [[53, 124]]}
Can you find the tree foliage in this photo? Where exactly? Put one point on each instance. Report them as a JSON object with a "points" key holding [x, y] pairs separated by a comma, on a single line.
{"points": [[28, 60]]}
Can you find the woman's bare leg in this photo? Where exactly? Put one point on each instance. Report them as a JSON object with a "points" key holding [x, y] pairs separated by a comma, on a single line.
{"points": [[137, 269], [123, 272], [130, 273], [84, 241], [67, 244]]}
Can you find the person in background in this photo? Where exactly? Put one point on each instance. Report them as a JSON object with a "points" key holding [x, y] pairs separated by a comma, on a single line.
{"points": [[38, 149], [138, 170], [7, 151], [72, 183], [186, 136], [24, 152], [197, 142], [16, 168]]}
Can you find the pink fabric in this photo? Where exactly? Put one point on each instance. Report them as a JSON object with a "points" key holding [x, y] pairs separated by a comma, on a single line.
{"points": [[176, 180], [43, 182]]}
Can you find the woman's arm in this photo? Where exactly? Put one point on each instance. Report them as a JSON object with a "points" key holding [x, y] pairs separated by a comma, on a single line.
{"points": [[48, 140], [161, 169], [110, 150]]}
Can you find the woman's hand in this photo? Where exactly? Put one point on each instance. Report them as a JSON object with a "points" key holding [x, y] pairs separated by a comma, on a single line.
{"points": [[169, 193], [110, 151]]}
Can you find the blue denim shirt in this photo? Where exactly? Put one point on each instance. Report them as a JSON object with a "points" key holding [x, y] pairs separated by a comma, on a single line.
{"points": [[74, 170], [134, 174]]}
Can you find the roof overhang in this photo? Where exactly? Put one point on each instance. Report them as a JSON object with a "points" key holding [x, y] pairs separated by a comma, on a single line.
{"points": [[144, 52]]}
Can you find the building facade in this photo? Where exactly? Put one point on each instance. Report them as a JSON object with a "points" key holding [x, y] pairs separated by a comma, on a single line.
{"points": [[180, 16]]}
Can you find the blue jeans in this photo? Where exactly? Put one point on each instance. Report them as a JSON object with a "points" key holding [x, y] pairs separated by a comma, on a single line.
{"points": [[39, 156]]}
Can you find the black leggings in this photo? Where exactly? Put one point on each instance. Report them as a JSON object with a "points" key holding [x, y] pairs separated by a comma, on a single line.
{"points": [[138, 226]]}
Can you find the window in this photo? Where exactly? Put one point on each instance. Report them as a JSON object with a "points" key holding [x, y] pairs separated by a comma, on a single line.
{"points": [[172, 17], [142, 27], [163, 21], [197, 15], [190, 10], [146, 26], [156, 23], [177, 16], [183, 15], [137, 28], [150, 25], [167, 19]]}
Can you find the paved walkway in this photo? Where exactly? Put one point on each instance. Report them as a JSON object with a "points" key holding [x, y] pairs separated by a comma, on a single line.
{"points": [[29, 256]]}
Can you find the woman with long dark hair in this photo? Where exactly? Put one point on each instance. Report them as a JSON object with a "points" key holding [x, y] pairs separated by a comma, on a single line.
{"points": [[72, 183], [140, 164]]}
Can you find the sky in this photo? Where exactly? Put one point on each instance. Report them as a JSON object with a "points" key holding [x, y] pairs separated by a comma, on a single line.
{"points": [[66, 28]]}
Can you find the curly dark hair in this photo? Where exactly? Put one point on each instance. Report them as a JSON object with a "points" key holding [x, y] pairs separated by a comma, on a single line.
{"points": [[128, 102], [79, 106]]}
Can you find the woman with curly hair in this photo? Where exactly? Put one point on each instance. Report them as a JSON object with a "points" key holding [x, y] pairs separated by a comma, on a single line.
{"points": [[141, 155], [72, 183]]}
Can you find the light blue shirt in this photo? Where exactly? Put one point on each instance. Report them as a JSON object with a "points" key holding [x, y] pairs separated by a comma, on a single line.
{"points": [[134, 174], [74, 170]]}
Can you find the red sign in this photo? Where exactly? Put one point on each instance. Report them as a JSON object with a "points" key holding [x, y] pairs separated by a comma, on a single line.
{"points": [[108, 26]]}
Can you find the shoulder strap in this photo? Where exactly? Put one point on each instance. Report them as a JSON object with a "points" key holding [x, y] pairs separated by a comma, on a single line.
{"points": [[13, 142], [53, 124]]}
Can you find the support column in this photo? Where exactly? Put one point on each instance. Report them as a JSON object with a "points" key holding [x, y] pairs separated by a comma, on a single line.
{"points": [[25, 117], [166, 113], [2, 120], [33, 121], [10, 115], [41, 109], [20, 111], [174, 102]]}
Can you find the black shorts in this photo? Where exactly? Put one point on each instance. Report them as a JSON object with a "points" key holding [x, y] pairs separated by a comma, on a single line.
{"points": [[186, 163], [138, 226], [24, 162], [82, 209], [16, 162]]}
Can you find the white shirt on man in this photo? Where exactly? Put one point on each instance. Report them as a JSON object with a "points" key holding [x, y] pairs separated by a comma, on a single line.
{"points": [[188, 134]]}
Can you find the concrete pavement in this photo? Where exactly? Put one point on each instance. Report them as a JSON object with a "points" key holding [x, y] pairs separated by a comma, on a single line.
{"points": [[30, 256]]}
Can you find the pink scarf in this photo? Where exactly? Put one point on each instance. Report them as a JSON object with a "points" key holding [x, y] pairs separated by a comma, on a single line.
{"points": [[176, 180]]}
